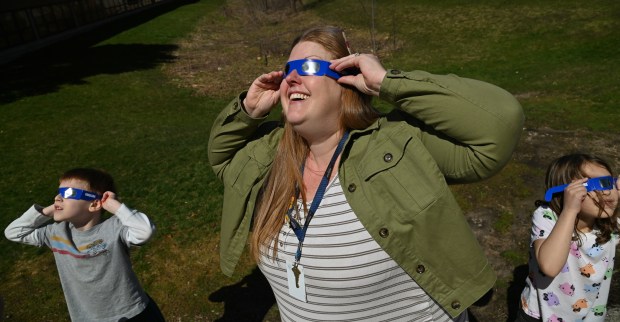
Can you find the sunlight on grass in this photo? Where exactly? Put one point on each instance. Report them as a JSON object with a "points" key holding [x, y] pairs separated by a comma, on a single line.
{"points": [[140, 104]]}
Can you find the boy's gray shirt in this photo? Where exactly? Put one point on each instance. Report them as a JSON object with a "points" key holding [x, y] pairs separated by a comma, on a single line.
{"points": [[94, 265]]}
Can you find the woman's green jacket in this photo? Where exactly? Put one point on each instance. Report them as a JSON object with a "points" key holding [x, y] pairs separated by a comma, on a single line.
{"points": [[395, 174]]}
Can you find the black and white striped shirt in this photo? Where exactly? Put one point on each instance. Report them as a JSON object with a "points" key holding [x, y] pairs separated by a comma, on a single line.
{"points": [[348, 276]]}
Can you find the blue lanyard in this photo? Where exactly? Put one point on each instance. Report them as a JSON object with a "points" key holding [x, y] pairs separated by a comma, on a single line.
{"points": [[299, 231]]}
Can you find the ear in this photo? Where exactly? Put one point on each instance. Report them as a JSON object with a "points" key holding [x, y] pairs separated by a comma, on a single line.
{"points": [[95, 205]]}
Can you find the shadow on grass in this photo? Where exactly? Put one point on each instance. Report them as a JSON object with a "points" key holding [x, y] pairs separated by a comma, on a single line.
{"points": [[71, 61], [483, 301], [30, 77], [614, 293], [247, 300], [513, 295]]}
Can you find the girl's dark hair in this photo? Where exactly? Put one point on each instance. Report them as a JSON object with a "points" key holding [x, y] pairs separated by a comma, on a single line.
{"points": [[98, 181], [564, 170]]}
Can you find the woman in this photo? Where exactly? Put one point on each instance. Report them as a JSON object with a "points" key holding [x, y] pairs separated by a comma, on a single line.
{"points": [[385, 237]]}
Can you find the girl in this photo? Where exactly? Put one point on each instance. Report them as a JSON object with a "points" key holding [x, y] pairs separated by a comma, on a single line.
{"points": [[573, 244]]}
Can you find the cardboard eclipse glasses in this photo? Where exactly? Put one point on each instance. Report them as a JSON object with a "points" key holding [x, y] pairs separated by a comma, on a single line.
{"points": [[315, 67], [599, 183], [78, 194]]}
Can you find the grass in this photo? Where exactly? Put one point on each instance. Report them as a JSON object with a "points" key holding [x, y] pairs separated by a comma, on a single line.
{"points": [[503, 223], [110, 106], [138, 99], [560, 51]]}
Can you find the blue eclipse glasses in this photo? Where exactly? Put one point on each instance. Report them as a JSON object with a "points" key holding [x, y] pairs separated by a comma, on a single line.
{"points": [[312, 67], [599, 183], [78, 194]]}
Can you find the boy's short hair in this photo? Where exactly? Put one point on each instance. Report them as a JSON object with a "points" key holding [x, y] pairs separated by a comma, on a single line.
{"points": [[98, 181]]}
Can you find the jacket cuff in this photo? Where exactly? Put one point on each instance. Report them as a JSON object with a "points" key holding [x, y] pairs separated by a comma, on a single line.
{"points": [[394, 80], [237, 110]]}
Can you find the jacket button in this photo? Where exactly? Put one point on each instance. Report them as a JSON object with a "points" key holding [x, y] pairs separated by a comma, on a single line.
{"points": [[395, 71], [420, 269], [388, 157], [352, 187], [456, 305], [384, 232]]}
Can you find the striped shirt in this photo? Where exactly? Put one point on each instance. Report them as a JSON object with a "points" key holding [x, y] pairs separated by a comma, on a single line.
{"points": [[348, 276]]}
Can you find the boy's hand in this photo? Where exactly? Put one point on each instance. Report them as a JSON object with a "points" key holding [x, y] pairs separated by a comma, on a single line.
{"points": [[109, 202], [48, 211]]}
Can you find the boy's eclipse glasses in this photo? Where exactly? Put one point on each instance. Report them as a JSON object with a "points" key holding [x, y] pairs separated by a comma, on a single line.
{"points": [[78, 194], [599, 183], [314, 67]]}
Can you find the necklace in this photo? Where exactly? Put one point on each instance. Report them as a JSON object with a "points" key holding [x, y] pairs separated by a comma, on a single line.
{"points": [[317, 172]]}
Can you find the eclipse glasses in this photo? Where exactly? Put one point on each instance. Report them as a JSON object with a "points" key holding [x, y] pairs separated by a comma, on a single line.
{"points": [[315, 67], [599, 183], [78, 194]]}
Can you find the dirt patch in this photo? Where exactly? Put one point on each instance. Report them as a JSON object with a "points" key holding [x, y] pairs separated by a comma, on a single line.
{"points": [[226, 53]]}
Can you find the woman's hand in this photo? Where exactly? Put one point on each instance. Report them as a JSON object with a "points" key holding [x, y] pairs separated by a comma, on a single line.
{"points": [[371, 74], [263, 95]]}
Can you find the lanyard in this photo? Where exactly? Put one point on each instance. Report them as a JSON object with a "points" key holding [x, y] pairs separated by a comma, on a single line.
{"points": [[300, 231]]}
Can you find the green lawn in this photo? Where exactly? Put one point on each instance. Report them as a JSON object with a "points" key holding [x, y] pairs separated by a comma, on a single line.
{"points": [[110, 106], [113, 104]]}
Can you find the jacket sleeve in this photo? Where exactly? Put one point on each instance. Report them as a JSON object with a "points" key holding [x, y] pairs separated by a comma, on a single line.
{"points": [[231, 131], [26, 229], [137, 228], [470, 127], [240, 150]]}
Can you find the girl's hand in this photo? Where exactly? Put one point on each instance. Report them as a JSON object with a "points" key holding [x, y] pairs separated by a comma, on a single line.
{"points": [[263, 95], [109, 202], [574, 195], [371, 74]]}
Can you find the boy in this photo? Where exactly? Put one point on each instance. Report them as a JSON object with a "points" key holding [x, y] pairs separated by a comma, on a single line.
{"points": [[92, 256]]}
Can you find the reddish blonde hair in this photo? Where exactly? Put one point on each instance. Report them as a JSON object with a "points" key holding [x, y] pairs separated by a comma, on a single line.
{"points": [[285, 174]]}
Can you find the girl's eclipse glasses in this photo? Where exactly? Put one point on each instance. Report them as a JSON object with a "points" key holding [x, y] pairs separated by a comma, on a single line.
{"points": [[78, 194], [314, 67], [599, 183]]}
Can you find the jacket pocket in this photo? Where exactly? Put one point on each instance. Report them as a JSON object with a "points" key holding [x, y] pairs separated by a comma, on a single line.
{"points": [[400, 173], [249, 166]]}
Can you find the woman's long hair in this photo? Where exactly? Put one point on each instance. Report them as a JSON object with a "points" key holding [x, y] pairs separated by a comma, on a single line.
{"points": [[568, 168], [285, 175]]}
